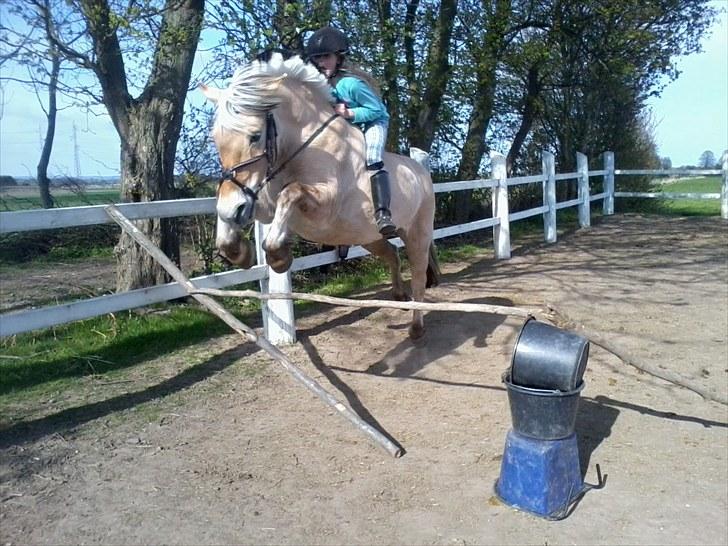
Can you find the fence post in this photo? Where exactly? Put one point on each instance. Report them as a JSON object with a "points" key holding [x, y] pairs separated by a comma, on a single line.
{"points": [[582, 167], [499, 202], [724, 187], [608, 203], [549, 196], [278, 321]]}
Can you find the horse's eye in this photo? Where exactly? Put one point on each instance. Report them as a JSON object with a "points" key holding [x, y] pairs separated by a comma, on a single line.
{"points": [[255, 137]]}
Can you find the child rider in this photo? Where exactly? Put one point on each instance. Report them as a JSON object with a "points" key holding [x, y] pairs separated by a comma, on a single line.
{"points": [[357, 102]]}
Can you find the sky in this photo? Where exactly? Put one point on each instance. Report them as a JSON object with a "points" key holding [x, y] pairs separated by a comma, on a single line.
{"points": [[690, 116]]}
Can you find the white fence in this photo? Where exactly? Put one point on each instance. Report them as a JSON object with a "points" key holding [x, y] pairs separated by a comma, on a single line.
{"points": [[278, 314]]}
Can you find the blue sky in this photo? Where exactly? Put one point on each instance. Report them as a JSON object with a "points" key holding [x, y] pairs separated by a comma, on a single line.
{"points": [[690, 116]]}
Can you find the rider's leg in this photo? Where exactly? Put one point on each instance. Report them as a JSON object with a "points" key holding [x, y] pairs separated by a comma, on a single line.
{"points": [[375, 136], [381, 197]]}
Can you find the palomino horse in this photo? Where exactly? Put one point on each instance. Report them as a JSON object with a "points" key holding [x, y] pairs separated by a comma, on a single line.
{"points": [[288, 161]]}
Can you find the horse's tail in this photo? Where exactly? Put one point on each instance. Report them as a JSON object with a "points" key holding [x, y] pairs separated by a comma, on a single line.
{"points": [[433, 267]]}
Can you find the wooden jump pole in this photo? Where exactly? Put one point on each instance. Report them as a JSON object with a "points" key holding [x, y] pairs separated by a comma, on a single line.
{"points": [[347, 302], [249, 334]]}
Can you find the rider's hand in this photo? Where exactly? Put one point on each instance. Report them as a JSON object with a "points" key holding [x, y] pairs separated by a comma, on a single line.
{"points": [[341, 109]]}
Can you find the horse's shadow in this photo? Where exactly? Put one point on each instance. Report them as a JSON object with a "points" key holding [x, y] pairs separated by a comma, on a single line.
{"points": [[446, 332], [407, 358]]}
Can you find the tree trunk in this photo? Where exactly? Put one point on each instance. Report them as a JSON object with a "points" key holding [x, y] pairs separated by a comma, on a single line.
{"points": [[147, 171], [45, 156], [390, 89], [530, 112], [424, 106], [487, 59]]}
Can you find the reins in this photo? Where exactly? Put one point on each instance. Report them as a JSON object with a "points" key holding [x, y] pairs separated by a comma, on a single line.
{"points": [[270, 154]]}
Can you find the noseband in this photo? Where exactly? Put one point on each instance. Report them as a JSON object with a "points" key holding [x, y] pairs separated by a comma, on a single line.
{"points": [[245, 212]]}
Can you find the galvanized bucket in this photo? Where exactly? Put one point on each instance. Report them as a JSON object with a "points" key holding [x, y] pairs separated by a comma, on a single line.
{"points": [[546, 357], [543, 414]]}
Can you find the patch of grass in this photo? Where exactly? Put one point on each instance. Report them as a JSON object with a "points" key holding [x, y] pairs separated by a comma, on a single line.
{"points": [[53, 358]]}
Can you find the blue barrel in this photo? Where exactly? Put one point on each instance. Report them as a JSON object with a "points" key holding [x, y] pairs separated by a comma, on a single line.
{"points": [[542, 477]]}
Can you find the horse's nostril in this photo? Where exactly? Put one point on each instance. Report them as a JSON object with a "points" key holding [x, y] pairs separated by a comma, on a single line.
{"points": [[244, 213]]}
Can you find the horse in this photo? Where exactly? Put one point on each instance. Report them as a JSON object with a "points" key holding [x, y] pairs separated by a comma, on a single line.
{"points": [[290, 162]]}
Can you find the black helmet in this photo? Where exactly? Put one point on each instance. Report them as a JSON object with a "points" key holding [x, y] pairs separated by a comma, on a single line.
{"points": [[326, 40]]}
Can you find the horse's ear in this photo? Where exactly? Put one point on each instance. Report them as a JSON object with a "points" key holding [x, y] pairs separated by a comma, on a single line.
{"points": [[211, 93]]}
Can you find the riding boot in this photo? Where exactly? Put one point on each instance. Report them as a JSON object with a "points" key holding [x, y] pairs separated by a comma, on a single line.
{"points": [[381, 196]]}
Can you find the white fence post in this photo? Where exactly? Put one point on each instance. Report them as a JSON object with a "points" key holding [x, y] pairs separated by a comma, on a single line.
{"points": [[499, 202], [582, 167], [724, 187], [278, 321], [608, 203], [549, 196]]}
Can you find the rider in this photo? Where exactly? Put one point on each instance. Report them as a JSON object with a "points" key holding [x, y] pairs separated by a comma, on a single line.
{"points": [[359, 103]]}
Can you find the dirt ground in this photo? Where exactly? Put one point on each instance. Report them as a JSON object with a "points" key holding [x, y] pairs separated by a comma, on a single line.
{"points": [[216, 444]]}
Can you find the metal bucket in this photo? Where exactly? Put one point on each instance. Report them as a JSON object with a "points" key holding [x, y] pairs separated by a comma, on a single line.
{"points": [[546, 357], [542, 414]]}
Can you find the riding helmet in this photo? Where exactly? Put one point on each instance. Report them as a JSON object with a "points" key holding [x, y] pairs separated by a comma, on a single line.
{"points": [[327, 40]]}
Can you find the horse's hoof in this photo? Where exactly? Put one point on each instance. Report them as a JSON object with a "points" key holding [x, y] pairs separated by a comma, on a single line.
{"points": [[416, 331], [278, 263], [401, 296], [242, 256]]}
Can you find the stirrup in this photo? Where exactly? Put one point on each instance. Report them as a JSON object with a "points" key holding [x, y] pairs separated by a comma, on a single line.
{"points": [[343, 252]]}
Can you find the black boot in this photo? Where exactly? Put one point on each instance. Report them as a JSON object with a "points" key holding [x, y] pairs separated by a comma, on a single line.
{"points": [[381, 196]]}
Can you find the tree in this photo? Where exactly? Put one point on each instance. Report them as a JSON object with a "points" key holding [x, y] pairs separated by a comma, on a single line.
{"points": [[487, 46], [665, 163], [707, 160], [117, 46], [31, 47], [426, 90]]}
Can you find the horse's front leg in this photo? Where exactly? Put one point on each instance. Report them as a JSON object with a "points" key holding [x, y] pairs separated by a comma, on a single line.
{"points": [[277, 245]]}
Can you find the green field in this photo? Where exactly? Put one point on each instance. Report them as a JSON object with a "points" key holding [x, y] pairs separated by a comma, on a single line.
{"points": [[28, 197], [675, 207]]}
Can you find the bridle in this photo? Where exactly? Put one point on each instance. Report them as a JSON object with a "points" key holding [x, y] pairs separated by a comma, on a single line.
{"points": [[245, 211]]}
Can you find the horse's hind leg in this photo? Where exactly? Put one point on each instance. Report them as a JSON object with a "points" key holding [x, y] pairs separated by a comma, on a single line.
{"points": [[388, 253], [418, 255], [418, 243]]}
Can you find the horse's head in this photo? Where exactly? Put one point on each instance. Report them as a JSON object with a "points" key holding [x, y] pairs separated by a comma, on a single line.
{"points": [[246, 142], [245, 135]]}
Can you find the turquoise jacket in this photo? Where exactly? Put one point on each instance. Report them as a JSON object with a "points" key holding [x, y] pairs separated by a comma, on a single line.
{"points": [[361, 100]]}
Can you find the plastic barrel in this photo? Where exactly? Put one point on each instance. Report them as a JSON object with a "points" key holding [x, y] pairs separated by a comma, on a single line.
{"points": [[546, 357]]}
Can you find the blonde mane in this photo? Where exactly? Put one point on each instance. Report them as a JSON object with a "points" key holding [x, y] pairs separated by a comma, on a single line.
{"points": [[254, 86]]}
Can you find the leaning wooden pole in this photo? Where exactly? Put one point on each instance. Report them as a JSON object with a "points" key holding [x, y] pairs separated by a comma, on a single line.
{"points": [[248, 333]]}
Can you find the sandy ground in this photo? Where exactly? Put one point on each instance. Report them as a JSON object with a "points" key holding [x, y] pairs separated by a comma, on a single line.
{"points": [[216, 444]]}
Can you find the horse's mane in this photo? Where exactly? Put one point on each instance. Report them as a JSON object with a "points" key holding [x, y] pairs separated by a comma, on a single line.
{"points": [[253, 87]]}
